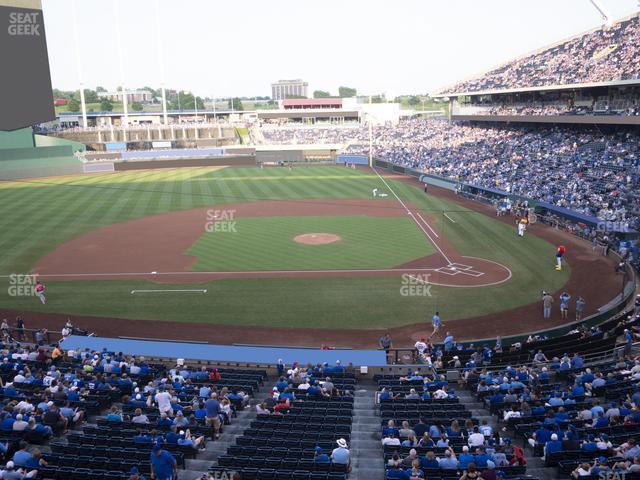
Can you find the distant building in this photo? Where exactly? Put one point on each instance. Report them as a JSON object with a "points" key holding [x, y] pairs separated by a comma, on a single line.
{"points": [[132, 96], [288, 89], [296, 103]]}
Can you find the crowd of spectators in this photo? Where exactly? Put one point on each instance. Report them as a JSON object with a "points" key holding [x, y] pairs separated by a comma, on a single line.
{"points": [[606, 54], [628, 105], [581, 169]]}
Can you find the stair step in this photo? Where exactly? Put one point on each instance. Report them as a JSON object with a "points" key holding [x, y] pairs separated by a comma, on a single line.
{"points": [[189, 474], [198, 465]]}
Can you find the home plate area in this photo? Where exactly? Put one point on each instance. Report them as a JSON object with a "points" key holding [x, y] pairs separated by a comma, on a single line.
{"points": [[459, 269]]}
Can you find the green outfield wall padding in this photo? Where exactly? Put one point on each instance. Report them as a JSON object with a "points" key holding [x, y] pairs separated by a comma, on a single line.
{"points": [[22, 138], [41, 152], [49, 141]]}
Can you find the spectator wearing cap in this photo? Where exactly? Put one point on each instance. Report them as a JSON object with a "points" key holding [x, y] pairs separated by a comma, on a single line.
{"points": [[341, 454], [319, 456], [180, 420], [10, 472], [163, 464], [553, 445], [185, 438], [134, 474], [465, 458], [600, 468], [19, 425]]}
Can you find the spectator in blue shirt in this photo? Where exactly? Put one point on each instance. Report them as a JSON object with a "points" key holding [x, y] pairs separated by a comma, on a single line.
{"points": [[449, 461], [553, 445], [163, 464], [320, 457], [341, 454], [465, 458], [430, 461], [22, 457]]}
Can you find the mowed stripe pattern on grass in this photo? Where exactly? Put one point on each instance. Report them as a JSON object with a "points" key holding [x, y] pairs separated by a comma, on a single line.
{"points": [[37, 215], [267, 243]]}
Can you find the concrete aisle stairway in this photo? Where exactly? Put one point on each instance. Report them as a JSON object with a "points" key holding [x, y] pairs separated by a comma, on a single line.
{"points": [[195, 468], [535, 466], [367, 458]]}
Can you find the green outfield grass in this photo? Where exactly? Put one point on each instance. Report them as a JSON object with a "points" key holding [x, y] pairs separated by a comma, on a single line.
{"points": [[366, 243], [38, 215]]}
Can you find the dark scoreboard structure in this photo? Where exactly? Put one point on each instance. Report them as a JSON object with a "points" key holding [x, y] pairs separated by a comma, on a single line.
{"points": [[25, 82]]}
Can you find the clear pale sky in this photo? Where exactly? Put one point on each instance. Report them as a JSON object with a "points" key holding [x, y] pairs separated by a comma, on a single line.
{"points": [[230, 48]]}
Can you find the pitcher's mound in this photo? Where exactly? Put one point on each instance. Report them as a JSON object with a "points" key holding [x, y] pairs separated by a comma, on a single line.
{"points": [[317, 238]]}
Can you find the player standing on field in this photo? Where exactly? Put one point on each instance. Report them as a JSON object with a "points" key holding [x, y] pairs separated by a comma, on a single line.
{"points": [[559, 254], [436, 322], [40, 292]]}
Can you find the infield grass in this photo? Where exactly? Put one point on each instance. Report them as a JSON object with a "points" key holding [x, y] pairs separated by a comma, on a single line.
{"points": [[38, 215]]}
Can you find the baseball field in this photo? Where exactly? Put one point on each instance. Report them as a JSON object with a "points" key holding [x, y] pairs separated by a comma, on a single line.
{"points": [[310, 247]]}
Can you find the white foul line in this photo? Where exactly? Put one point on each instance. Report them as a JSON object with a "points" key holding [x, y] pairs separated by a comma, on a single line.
{"points": [[445, 214], [427, 224], [178, 290], [414, 218]]}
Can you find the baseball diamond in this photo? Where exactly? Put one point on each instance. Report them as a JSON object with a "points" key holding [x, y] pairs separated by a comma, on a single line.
{"points": [[132, 230], [199, 281]]}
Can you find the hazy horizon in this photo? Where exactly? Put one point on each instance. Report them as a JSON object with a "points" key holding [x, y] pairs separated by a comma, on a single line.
{"points": [[215, 49]]}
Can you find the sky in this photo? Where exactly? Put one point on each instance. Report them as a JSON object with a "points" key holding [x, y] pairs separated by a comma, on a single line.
{"points": [[222, 48]]}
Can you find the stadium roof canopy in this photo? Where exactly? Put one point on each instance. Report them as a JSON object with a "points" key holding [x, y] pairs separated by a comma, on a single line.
{"points": [[613, 83], [441, 92], [312, 102]]}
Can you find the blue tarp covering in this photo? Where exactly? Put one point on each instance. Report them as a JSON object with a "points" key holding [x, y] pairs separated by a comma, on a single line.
{"points": [[114, 146], [226, 353], [357, 159], [184, 152]]}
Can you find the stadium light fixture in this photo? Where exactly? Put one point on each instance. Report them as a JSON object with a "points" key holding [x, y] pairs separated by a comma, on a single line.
{"points": [[605, 15], [83, 105], [116, 8], [161, 62]]}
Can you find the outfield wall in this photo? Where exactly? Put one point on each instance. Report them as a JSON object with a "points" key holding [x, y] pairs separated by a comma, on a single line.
{"points": [[225, 161], [23, 155], [22, 138]]}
